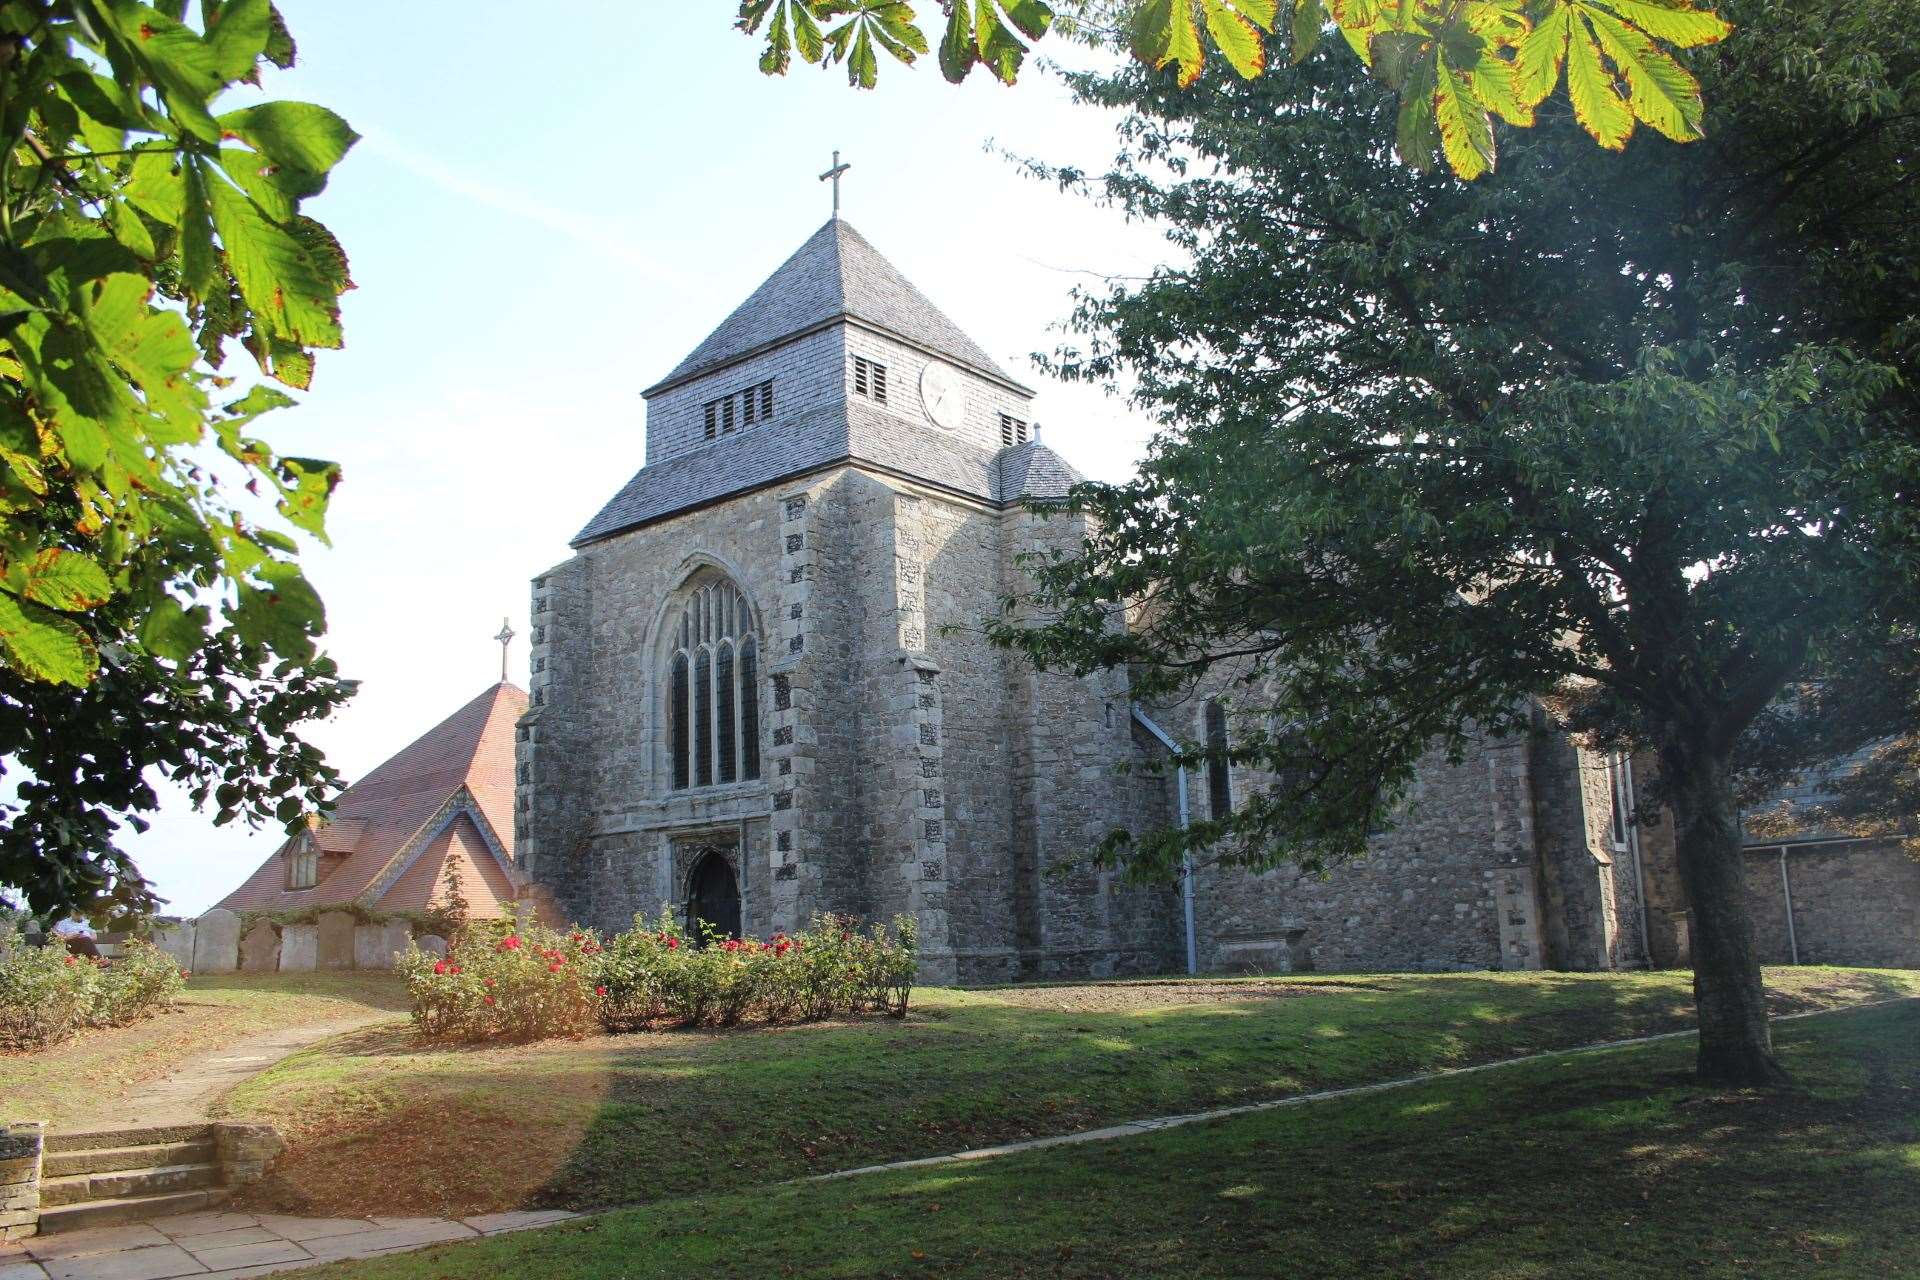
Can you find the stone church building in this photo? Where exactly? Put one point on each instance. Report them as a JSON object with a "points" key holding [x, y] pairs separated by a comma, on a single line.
{"points": [[760, 690]]}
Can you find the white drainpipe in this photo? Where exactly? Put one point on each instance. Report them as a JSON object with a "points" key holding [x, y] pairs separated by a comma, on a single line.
{"points": [[1186, 858], [1786, 890]]}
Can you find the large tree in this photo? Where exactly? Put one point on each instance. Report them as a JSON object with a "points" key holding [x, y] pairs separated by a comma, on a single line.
{"points": [[1632, 433], [152, 617]]}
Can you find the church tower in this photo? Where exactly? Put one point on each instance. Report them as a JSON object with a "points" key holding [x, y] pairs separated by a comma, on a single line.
{"points": [[760, 687]]}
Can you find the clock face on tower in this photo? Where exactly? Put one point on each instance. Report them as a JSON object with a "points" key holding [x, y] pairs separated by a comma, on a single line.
{"points": [[944, 395]]}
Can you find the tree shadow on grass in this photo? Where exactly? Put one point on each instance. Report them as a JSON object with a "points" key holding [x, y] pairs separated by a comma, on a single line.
{"points": [[995, 1072], [636, 1118]]}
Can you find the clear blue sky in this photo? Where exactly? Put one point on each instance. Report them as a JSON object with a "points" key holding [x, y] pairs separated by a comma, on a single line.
{"points": [[548, 210]]}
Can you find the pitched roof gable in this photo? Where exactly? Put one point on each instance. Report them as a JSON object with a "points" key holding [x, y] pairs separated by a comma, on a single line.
{"points": [[836, 274], [378, 820]]}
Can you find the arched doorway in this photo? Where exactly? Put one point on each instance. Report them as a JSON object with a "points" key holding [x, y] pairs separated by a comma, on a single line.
{"points": [[713, 897]]}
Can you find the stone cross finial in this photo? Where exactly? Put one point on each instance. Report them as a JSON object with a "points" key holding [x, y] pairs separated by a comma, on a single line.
{"points": [[833, 175], [504, 639]]}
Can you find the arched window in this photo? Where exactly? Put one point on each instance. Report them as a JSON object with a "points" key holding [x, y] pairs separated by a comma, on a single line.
{"points": [[1219, 782], [713, 720], [304, 871]]}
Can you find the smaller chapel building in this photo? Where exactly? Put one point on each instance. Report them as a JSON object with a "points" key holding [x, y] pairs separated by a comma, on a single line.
{"points": [[445, 800], [760, 691]]}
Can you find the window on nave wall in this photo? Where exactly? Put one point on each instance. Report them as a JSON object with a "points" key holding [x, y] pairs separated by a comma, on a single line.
{"points": [[1219, 781], [713, 691]]}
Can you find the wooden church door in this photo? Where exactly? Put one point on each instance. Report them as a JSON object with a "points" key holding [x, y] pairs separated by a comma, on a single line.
{"points": [[713, 897]]}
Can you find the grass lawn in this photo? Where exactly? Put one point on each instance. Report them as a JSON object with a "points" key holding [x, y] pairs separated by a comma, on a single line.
{"points": [[1609, 1165], [81, 1081], [379, 1124]]}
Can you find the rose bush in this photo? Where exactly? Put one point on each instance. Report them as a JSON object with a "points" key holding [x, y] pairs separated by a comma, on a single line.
{"points": [[497, 983], [501, 982], [47, 993]]}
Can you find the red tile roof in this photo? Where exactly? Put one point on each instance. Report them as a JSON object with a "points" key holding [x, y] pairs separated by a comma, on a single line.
{"points": [[372, 843]]}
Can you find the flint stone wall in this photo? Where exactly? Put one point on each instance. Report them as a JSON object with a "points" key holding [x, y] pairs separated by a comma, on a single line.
{"points": [[1855, 902]]}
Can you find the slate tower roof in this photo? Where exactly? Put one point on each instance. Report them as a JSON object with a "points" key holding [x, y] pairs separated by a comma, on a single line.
{"points": [[835, 275], [837, 280]]}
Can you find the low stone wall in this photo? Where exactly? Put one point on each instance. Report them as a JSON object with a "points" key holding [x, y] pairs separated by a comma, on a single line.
{"points": [[20, 1146], [1854, 902]]}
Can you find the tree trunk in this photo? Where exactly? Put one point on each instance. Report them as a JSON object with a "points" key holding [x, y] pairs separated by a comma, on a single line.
{"points": [[1736, 1045]]}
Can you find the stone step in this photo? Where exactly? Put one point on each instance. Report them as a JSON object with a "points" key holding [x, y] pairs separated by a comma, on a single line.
{"points": [[81, 1188], [151, 1136], [108, 1213], [63, 1164]]}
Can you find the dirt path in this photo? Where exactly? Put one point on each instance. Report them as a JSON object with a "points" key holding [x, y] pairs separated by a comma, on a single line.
{"points": [[184, 1095]]}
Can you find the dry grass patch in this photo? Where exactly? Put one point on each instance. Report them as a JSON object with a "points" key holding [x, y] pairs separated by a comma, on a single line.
{"points": [[83, 1081]]}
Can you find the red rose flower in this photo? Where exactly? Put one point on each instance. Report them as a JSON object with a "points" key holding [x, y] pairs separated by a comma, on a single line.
{"points": [[453, 968], [510, 943], [69, 959], [555, 967], [440, 966], [184, 974], [673, 944], [600, 991], [489, 982], [486, 999]]}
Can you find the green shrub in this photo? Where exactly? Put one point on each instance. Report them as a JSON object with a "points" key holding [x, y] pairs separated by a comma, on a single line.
{"points": [[138, 983], [498, 984], [47, 993]]}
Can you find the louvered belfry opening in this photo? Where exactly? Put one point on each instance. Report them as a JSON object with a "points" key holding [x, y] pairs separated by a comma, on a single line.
{"points": [[870, 379], [742, 408]]}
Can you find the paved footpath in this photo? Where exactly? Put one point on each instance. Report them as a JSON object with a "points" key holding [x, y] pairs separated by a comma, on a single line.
{"points": [[231, 1245], [184, 1096]]}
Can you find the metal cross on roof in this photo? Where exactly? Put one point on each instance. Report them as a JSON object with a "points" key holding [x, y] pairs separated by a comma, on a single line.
{"points": [[504, 639], [833, 175]]}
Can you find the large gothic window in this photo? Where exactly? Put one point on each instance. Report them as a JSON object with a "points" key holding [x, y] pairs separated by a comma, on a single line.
{"points": [[713, 716]]}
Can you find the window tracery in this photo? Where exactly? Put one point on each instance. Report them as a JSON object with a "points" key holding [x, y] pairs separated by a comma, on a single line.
{"points": [[713, 702]]}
